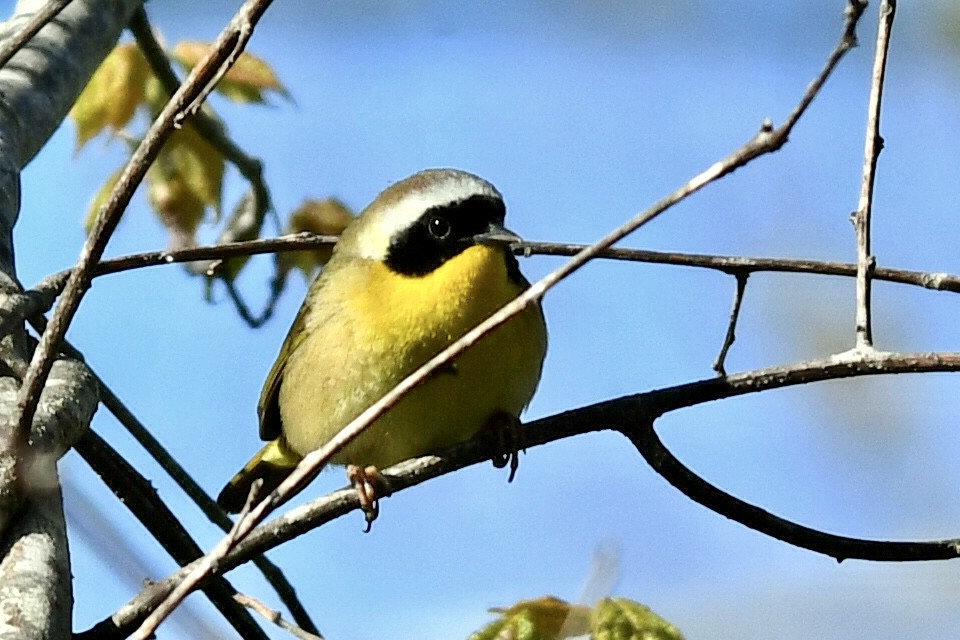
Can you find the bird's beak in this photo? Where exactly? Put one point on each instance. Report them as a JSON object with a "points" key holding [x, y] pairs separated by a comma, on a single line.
{"points": [[497, 234]]}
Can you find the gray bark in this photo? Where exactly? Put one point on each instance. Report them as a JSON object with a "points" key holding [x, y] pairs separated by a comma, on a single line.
{"points": [[37, 88]]}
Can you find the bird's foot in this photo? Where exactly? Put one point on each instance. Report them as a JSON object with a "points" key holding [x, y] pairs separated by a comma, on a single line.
{"points": [[506, 429], [371, 486]]}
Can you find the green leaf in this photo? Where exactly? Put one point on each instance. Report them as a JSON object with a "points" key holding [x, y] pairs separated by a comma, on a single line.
{"points": [[546, 618], [550, 618], [622, 619], [113, 94], [178, 208], [185, 180], [328, 217], [100, 199], [200, 164]]}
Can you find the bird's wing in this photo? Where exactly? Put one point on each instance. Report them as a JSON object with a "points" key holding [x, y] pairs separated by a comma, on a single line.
{"points": [[269, 407]]}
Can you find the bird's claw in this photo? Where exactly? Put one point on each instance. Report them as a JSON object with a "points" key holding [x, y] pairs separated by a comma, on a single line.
{"points": [[371, 486], [506, 429]]}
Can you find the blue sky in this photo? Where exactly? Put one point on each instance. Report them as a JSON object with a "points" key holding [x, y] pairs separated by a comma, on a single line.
{"points": [[582, 115]]}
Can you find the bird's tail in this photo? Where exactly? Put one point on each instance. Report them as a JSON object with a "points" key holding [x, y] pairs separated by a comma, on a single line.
{"points": [[272, 464]]}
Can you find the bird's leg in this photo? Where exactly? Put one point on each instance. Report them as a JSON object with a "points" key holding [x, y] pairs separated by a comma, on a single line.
{"points": [[370, 486], [506, 429]]}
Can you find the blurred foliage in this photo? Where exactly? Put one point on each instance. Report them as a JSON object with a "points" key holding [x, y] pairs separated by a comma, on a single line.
{"points": [[550, 618], [185, 184], [113, 94], [327, 217], [248, 80]]}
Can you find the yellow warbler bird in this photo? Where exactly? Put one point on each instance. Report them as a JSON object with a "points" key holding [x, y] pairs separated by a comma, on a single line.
{"points": [[427, 261]]}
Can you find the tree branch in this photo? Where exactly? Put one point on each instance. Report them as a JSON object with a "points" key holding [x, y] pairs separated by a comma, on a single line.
{"points": [[731, 335], [275, 617], [626, 415], [41, 297], [866, 262], [36, 593], [645, 439]]}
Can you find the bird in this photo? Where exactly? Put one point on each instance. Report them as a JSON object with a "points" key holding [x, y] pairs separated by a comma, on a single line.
{"points": [[424, 263]]}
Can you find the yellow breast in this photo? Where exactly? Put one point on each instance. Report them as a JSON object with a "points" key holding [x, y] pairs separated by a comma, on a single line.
{"points": [[378, 327]]}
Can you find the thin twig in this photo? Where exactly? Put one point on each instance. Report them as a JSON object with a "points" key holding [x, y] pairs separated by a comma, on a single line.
{"points": [[45, 291], [244, 311], [866, 262], [852, 14], [303, 241], [225, 49], [731, 335], [18, 306], [734, 265], [10, 45], [182, 590], [275, 617]]}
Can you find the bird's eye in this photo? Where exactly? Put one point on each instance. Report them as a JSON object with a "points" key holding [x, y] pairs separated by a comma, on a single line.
{"points": [[439, 227]]}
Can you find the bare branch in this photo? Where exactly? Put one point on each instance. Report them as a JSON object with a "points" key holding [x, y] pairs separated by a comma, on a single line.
{"points": [[731, 335], [274, 576], [40, 298], [34, 559], [866, 262], [253, 321], [622, 414], [848, 40], [644, 437], [275, 617], [732, 265]]}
